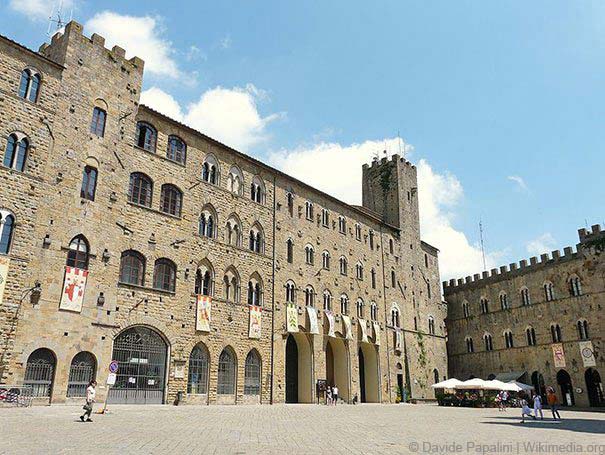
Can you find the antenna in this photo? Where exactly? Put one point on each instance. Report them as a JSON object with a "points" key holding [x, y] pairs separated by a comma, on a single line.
{"points": [[55, 20], [399, 143], [482, 245]]}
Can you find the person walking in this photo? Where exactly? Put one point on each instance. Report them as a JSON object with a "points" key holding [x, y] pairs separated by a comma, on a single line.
{"points": [[525, 410], [504, 400], [553, 402], [335, 395], [90, 399], [328, 395], [538, 405]]}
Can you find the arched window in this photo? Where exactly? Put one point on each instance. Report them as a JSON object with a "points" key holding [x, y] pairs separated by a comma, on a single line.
{"points": [[426, 260], [358, 231], [290, 292], [395, 317], [344, 304], [359, 271], [487, 339], [371, 238], [40, 373], [29, 85], [575, 286], [97, 125], [290, 203], [393, 279], [309, 210], [391, 246], [210, 170], [343, 265], [231, 282], [431, 325], [252, 373], [235, 181], [465, 309], [530, 334], [503, 301], [555, 332], [256, 238], [171, 200], [360, 308], [342, 225], [7, 225], [132, 268], [255, 291], [549, 291], [508, 339], [325, 260], [226, 373], [583, 329], [82, 370], [525, 297], [327, 301], [89, 183], [147, 136], [177, 149], [197, 379], [325, 217], [164, 275], [309, 296], [373, 311], [435, 376], [78, 253], [373, 273], [234, 231], [257, 190], [204, 279], [16, 152], [208, 223], [469, 345], [484, 305], [290, 250], [140, 190], [309, 254]]}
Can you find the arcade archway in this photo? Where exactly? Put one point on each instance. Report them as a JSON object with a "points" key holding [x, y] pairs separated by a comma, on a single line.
{"points": [[299, 373], [337, 367], [564, 381], [594, 387], [368, 374]]}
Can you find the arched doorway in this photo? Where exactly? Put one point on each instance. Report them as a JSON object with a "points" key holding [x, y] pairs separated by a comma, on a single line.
{"points": [[537, 380], [141, 353], [226, 386], [83, 369], [337, 367], [400, 387], [40, 373], [368, 373], [299, 382], [564, 381], [594, 387], [252, 376]]}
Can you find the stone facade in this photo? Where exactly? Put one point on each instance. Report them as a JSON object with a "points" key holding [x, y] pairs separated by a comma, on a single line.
{"points": [[547, 306], [398, 273]]}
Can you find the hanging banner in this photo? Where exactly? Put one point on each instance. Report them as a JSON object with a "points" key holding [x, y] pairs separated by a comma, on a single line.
{"points": [[362, 328], [558, 355], [292, 318], [346, 321], [202, 313], [256, 313], [73, 289], [376, 333], [398, 339], [587, 354], [330, 317], [4, 262], [313, 323]]}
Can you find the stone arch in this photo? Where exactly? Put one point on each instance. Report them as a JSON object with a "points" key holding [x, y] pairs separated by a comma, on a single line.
{"points": [[369, 381], [226, 384], [337, 366], [298, 368]]}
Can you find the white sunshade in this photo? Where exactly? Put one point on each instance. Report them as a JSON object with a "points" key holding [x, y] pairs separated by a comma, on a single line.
{"points": [[499, 385], [519, 386], [451, 383], [472, 384]]}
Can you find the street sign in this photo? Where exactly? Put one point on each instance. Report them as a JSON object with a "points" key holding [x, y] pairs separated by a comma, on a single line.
{"points": [[111, 379], [113, 366]]}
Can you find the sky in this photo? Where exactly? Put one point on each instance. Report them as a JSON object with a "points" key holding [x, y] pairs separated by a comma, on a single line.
{"points": [[499, 103]]}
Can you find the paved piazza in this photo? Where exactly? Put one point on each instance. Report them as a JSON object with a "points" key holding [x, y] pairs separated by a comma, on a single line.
{"points": [[290, 429]]}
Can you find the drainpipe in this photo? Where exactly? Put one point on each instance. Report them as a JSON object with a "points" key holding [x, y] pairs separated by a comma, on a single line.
{"points": [[273, 296]]}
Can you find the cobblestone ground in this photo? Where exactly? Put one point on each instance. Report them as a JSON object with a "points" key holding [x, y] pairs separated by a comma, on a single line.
{"points": [[294, 429]]}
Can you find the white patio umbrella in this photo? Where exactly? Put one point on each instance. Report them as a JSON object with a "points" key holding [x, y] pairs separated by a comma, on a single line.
{"points": [[472, 384], [451, 383], [519, 386], [499, 385]]}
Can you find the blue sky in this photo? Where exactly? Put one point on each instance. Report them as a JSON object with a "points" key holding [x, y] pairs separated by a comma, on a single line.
{"points": [[500, 103]]}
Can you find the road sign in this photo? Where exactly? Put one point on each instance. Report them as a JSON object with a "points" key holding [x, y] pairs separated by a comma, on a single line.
{"points": [[113, 366], [111, 379]]}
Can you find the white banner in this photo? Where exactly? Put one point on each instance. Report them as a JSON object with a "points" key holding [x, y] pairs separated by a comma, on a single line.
{"points": [[330, 317], [292, 319], [203, 312], [346, 321], [313, 323], [4, 263], [376, 333], [362, 328], [587, 353], [74, 286], [254, 329]]}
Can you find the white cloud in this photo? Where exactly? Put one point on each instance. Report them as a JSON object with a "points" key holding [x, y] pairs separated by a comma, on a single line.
{"points": [[438, 195], [225, 42], [141, 36], [519, 182], [228, 115], [542, 244], [40, 9]]}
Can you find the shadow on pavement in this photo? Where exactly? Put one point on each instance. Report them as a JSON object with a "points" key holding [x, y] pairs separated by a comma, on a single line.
{"points": [[568, 423]]}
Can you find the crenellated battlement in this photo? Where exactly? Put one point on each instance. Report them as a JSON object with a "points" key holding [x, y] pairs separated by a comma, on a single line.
{"points": [[376, 163], [587, 236], [57, 49]]}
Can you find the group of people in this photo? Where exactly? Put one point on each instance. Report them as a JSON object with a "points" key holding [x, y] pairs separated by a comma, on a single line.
{"points": [[552, 400], [331, 395]]}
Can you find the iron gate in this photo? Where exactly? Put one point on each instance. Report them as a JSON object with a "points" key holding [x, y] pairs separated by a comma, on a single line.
{"points": [[40, 372], [141, 355]]}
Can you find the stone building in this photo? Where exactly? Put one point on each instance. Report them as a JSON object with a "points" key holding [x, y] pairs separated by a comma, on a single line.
{"points": [[539, 322], [207, 275]]}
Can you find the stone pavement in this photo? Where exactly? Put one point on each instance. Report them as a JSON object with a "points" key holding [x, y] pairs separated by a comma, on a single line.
{"points": [[295, 429]]}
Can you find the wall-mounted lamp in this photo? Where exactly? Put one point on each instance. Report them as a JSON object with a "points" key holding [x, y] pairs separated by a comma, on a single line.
{"points": [[46, 242], [100, 299], [106, 255]]}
